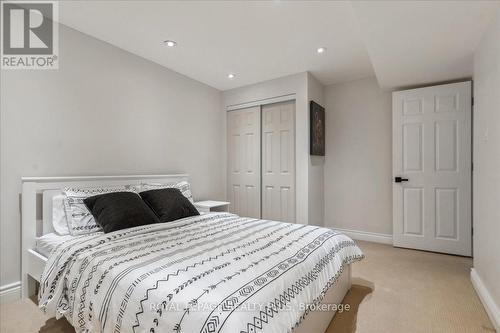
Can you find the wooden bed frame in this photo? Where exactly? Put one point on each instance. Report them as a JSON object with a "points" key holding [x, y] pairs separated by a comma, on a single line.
{"points": [[37, 221]]}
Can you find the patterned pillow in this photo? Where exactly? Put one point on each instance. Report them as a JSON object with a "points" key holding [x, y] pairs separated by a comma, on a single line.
{"points": [[80, 219], [183, 186]]}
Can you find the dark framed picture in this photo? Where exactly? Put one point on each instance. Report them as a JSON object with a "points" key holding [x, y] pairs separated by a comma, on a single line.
{"points": [[317, 129]]}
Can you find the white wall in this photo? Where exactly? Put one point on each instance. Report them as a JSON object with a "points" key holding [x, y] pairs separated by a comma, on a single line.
{"points": [[486, 151], [292, 84], [105, 111], [358, 164], [315, 92]]}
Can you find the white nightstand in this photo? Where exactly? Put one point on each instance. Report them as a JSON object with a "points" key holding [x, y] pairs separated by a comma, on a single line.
{"points": [[212, 206]]}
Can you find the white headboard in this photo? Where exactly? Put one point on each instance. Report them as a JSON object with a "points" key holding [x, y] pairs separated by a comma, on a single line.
{"points": [[36, 212]]}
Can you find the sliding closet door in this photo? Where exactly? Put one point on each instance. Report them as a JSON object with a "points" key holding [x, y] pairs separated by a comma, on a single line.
{"points": [[243, 135], [278, 161]]}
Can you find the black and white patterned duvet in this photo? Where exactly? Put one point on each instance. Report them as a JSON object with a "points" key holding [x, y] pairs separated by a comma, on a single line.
{"points": [[212, 273]]}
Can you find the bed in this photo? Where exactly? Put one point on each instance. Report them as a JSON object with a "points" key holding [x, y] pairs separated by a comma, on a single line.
{"points": [[216, 272]]}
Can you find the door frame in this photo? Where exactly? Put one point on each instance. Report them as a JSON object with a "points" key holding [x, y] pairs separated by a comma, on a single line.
{"points": [[261, 102]]}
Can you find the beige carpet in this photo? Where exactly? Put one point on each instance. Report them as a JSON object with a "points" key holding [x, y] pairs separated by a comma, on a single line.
{"points": [[400, 290], [394, 290]]}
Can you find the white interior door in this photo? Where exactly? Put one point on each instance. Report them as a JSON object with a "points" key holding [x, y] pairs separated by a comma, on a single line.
{"points": [[278, 161], [243, 135], [432, 150]]}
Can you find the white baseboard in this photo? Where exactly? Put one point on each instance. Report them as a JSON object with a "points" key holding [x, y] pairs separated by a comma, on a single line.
{"points": [[10, 292], [489, 304], [367, 236]]}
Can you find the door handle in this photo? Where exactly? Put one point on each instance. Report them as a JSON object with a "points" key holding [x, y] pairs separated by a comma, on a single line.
{"points": [[399, 179]]}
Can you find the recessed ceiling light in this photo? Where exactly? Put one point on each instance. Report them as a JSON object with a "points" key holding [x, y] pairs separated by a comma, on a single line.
{"points": [[321, 50], [230, 76], [170, 43]]}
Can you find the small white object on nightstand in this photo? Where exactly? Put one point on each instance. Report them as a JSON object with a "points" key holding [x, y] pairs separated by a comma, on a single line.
{"points": [[212, 206]]}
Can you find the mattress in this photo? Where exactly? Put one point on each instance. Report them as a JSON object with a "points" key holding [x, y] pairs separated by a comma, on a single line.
{"points": [[216, 272]]}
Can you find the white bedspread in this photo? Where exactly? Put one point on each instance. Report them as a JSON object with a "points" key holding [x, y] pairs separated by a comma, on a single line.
{"points": [[211, 273]]}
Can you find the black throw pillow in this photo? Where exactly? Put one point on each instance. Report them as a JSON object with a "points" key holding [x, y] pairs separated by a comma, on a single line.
{"points": [[119, 210], [169, 204]]}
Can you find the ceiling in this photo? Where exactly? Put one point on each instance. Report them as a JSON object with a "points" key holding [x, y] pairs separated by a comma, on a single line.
{"points": [[255, 40], [408, 42], [417, 42]]}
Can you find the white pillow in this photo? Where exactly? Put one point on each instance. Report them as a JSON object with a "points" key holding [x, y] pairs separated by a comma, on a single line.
{"points": [[80, 220], [59, 222], [183, 186]]}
